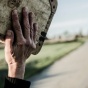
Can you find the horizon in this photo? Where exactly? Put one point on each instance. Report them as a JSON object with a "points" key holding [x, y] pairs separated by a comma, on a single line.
{"points": [[71, 16]]}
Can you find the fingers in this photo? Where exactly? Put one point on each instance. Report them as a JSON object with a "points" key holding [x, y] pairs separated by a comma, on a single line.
{"points": [[9, 40], [31, 24], [29, 29], [26, 24], [17, 27], [35, 28]]}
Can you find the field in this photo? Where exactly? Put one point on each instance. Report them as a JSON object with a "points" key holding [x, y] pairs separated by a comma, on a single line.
{"points": [[48, 55]]}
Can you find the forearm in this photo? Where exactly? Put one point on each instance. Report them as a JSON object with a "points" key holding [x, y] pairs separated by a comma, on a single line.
{"points": [[16, 70], [19, 44], [15, 77]]}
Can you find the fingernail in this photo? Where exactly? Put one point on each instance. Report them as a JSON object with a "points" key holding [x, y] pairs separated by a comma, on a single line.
{"points": [[14, 11], [35, 24], [31, 13], [9, 33], [25, 8]]}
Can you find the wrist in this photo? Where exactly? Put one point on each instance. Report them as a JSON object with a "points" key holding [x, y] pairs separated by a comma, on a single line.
{"points": [[16, 70]]}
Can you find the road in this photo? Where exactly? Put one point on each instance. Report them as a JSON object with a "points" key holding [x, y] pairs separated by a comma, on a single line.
{"points": [[69, 72]]}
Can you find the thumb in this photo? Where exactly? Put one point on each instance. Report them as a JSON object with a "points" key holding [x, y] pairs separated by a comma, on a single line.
{"points": [[9, 39]]}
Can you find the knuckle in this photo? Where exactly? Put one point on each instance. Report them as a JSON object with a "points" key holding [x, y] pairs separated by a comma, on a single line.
{"points": [[22, 42], [34, 46], [28, 42], [16, 26], [27, 27], [26, 21], [31, 44]]}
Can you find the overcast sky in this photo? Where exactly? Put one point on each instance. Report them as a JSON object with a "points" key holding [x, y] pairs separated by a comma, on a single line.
{"points": [[71, 15]]}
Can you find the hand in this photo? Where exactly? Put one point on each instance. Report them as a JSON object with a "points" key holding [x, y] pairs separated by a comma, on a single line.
{"points": [[20, 43]]}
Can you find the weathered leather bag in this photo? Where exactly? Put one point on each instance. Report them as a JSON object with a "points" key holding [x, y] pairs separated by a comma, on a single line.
{"points": [[44, 11]]}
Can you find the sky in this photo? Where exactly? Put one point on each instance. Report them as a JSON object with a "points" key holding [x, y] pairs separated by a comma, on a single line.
{"points": [[71, 16]]}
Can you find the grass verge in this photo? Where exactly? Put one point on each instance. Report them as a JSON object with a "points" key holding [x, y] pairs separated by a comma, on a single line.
{"points": [[48, 55]]}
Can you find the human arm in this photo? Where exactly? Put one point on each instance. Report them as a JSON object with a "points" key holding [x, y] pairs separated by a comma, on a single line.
{"points": [[19, 44]]}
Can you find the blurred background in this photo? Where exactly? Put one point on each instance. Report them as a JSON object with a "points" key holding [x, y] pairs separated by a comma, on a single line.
{"points": [[62, 62]]}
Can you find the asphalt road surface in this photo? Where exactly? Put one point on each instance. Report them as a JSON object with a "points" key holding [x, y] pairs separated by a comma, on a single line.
{"points": [[69, 72]]}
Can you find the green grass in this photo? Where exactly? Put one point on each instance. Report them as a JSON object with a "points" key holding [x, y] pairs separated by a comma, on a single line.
{"points": [[48, 55]]}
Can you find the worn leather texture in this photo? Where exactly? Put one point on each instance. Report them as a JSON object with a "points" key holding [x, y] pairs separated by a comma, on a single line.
{"points": [[44, 11]]}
